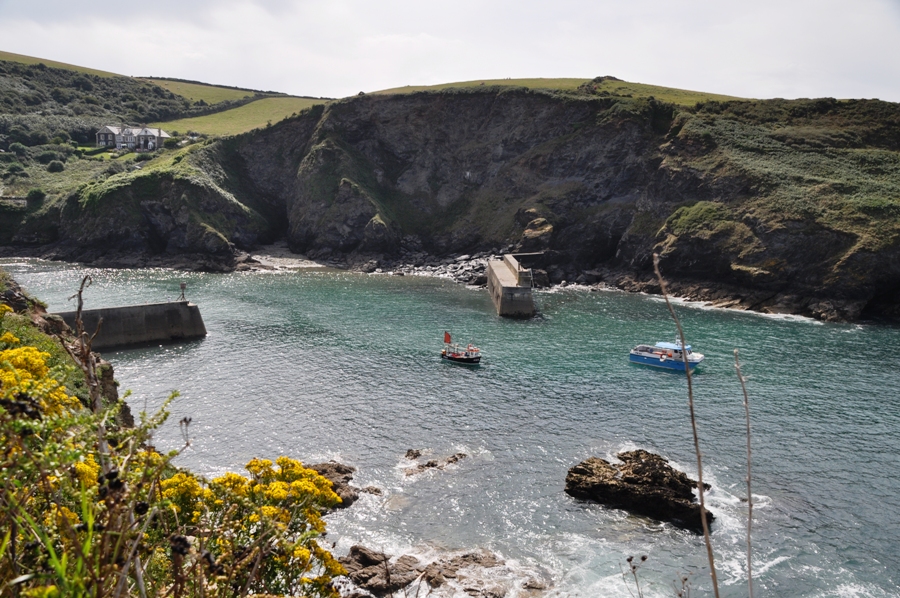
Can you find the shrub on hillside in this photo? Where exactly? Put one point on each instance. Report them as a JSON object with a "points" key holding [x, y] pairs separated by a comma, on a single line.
{"points": [[14, 170], [47, 156], [55, 166], [35, 196], [18, 149], [115, 168]]}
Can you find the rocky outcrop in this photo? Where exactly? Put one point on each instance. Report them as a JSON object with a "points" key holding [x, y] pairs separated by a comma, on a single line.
{"points": [[340, 476], [413, 454], [382, 574], [377, 573], [760, 200], [643, 483]]}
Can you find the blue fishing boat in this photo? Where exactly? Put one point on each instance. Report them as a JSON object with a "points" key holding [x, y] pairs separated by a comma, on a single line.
{"points": [[668, 356]]}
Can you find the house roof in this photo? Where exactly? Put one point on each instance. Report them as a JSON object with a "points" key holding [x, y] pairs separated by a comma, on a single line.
{"points": [[154, 132]]}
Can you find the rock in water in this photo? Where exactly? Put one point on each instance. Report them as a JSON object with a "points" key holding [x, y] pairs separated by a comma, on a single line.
{"points": [[644, 484], [339, 475]]}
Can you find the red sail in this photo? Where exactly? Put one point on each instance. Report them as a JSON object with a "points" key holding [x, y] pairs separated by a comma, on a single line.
{"points": [[446, 337]]}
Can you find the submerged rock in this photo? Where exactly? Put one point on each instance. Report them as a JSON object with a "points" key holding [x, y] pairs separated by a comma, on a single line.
{"points": [[644, 484], [433, 463]]}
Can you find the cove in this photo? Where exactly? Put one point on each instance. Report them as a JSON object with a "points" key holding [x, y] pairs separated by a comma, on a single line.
{"points": [[324, 365]]}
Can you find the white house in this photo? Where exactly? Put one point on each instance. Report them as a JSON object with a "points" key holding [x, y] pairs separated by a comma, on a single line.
{"points": [[141, 139]]}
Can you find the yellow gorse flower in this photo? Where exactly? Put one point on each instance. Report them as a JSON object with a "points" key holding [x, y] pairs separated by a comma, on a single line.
{"points": [[9, 339], [23, 370], [87, 471]]}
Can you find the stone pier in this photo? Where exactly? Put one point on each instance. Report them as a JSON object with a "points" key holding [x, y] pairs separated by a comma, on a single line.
{"points": [[141, 324], [510, 287]]}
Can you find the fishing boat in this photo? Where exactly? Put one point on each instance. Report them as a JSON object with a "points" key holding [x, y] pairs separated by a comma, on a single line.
{"points": [[668, 356], [468, 355]]}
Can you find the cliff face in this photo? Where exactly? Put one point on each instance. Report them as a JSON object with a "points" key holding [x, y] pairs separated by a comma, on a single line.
{"points": [[786, 206], [459, 173], [795, 203]]}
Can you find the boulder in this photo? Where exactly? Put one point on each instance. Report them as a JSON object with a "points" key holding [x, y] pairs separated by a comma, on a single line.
{"points": [[381, 574], [339, 475], [374, 572], [644, 484]]}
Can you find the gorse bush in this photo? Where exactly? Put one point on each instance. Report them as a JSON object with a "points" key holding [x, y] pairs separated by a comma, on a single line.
{"points": [[90, 509]]}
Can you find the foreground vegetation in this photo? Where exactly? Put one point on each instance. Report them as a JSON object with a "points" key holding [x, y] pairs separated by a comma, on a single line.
{"points": [[90, 508]]}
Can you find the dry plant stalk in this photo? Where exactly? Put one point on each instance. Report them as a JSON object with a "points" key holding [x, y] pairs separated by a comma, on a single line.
{"points": [[737, 367], [687, 371]]}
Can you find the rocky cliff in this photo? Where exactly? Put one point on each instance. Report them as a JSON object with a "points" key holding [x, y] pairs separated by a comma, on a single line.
{"points": [[774, 205]]}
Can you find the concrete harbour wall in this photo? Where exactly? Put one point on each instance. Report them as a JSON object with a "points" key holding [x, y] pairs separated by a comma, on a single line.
{"points": [[140, 324], [510, 287]]}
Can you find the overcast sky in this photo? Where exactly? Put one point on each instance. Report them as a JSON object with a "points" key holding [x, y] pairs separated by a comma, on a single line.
{"points": [[335, 48]]}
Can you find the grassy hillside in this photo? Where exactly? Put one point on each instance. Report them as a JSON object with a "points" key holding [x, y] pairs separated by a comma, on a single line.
{"points": [[604, 86], [21, 58], [554, 84], [250, 116], [211, 94]]}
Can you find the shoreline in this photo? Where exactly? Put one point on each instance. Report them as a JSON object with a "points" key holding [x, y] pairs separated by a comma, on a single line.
{"points": [[470, 270]]}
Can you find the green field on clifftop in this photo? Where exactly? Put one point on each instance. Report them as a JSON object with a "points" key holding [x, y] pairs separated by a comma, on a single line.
{"points": [[211, 94], [608, 86], [245, 118]]}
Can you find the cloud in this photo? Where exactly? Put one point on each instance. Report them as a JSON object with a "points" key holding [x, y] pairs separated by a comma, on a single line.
{"points": [[766, 48]]}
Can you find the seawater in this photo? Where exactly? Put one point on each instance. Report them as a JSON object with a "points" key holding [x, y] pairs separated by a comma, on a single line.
{"points": [[324, 365]]}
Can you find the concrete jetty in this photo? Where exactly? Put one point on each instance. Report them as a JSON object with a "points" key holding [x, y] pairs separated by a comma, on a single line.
{"points": [[509, 284], [141, 324]]}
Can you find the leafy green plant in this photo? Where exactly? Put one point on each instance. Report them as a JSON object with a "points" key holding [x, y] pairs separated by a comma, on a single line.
{"points": [[55, 166]]}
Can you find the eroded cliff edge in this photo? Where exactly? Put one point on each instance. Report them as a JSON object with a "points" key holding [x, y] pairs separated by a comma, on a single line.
{"points": [[775, 205]]}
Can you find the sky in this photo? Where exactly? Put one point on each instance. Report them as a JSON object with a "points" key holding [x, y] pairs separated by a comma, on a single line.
{"points": [[336, 48]]}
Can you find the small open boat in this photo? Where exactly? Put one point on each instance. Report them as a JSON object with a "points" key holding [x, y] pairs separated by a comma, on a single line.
{"points": [[468, 355], [664, 355]]}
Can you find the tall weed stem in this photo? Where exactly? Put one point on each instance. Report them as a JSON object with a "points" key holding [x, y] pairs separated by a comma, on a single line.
{"points": [[743, 381], [687, 372]]}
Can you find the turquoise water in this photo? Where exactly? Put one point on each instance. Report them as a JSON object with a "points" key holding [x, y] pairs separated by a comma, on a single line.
{"points": [[330, 365]]}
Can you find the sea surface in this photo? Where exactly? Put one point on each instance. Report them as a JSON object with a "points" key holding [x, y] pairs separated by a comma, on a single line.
{"points": [[321, 365]]}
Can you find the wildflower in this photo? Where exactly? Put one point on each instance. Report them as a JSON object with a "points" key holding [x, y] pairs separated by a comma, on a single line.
{"points": [[9, 339], [87, 471]]}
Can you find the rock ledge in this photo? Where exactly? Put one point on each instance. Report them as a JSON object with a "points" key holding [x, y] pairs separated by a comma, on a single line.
{"points": [[644, 484]]}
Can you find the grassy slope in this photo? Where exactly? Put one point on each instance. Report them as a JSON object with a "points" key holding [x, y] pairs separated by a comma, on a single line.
{"points": [[613, 87], [803, 172], [210, 94], [52, 63], [240, 120], [555, 84]]}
